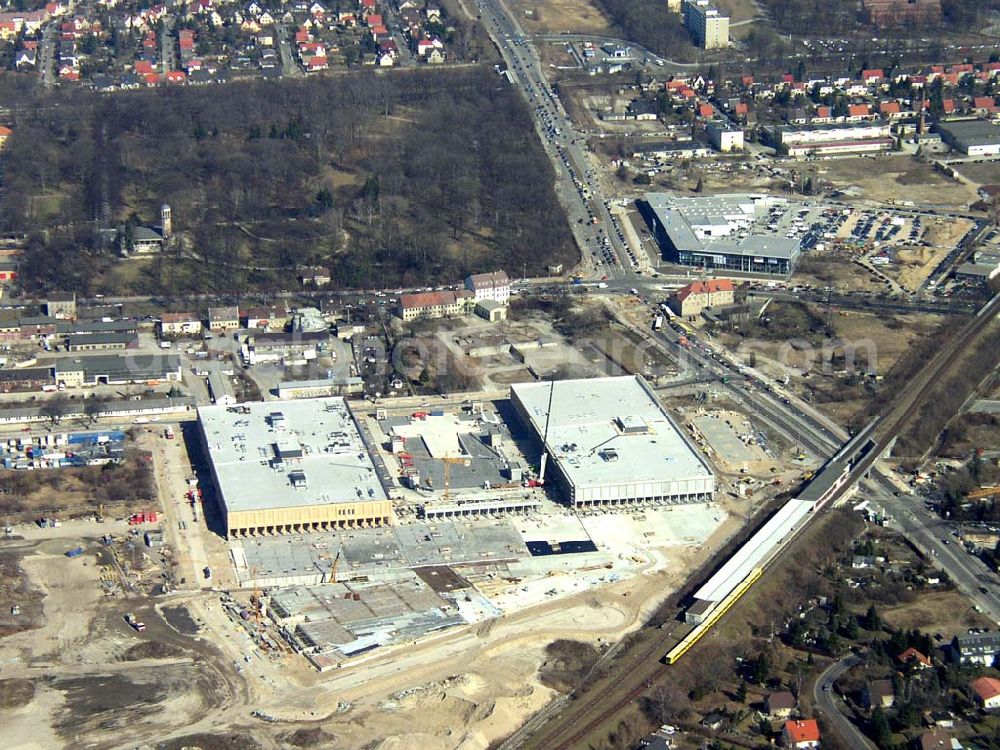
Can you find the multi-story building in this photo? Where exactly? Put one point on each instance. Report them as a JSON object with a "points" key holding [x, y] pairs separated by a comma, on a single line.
{"points": [[489, 286], [61, 305], [693, 298], [425, 305], [725, 137], [976, 648], [706, 24]]}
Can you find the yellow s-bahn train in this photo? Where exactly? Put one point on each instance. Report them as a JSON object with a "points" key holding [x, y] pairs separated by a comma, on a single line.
{"points": [[714, 615]]}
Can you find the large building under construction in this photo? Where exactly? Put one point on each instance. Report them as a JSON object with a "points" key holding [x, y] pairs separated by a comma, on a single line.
{"points": [[609, 442], [291, 466]]}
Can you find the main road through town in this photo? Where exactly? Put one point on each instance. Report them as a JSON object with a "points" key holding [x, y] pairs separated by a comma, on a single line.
{"points": [[602, 244]]}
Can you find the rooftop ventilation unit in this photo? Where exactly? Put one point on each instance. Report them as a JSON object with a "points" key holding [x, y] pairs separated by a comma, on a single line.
{"points": [[631, 425]]}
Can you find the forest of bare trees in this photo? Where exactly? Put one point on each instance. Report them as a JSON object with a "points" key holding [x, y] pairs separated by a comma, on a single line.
{"points": [[400, 178]]}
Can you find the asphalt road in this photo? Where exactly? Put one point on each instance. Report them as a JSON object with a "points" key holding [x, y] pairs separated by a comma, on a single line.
{"points": [[933, 536], [824, 698], [602, 244]]}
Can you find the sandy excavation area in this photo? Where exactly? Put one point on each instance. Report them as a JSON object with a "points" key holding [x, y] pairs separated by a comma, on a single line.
{"points": [[85, 679]]}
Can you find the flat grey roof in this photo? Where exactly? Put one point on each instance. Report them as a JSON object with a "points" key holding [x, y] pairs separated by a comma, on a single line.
{"points": [[820, 127], [755, 551], [320, 383], [592, 418], [82, 339], [136, 365], [254, 447], [691, 223], [985, 270], [105, 409], [972, 132]]}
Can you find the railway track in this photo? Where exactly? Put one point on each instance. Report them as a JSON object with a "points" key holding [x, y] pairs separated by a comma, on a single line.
{"points": [[903, 406], [644, 668]]}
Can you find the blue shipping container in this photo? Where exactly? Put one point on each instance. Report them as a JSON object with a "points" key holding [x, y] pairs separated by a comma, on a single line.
{"points": [[75, 552]]}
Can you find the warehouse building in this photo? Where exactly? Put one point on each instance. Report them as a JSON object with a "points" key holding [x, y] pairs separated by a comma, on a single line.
{"points": [[117, 369], [830, 139], [322, 387], [611, 443], [97, 326], [291, 467], [83, 409], [95, 342], [25, 378], [971, 137], [784, 135], [221, 389], [724, 232]]}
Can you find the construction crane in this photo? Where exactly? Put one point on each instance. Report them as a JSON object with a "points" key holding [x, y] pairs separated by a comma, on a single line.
{"points": [[336, 564], [983, 492], [545, 435], [255, 595], [448, 461]]}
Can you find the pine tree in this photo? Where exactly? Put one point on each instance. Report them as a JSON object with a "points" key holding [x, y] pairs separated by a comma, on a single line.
{"points": [[762, 668], [872, 619], [880, 728], [741, 692]]}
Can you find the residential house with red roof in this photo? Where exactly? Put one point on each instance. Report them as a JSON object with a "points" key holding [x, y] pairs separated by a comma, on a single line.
{"points": [[914, 657], [984, 105], [858, 111], [987, 692], [890, 110], [802, 734], [824, 113]]}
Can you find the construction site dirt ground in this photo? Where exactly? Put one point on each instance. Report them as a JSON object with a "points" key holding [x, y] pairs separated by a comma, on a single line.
{"points": [[885, 178], [835, 268], [933, 612], [86, 679], [878, 342], [561, 16]]}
